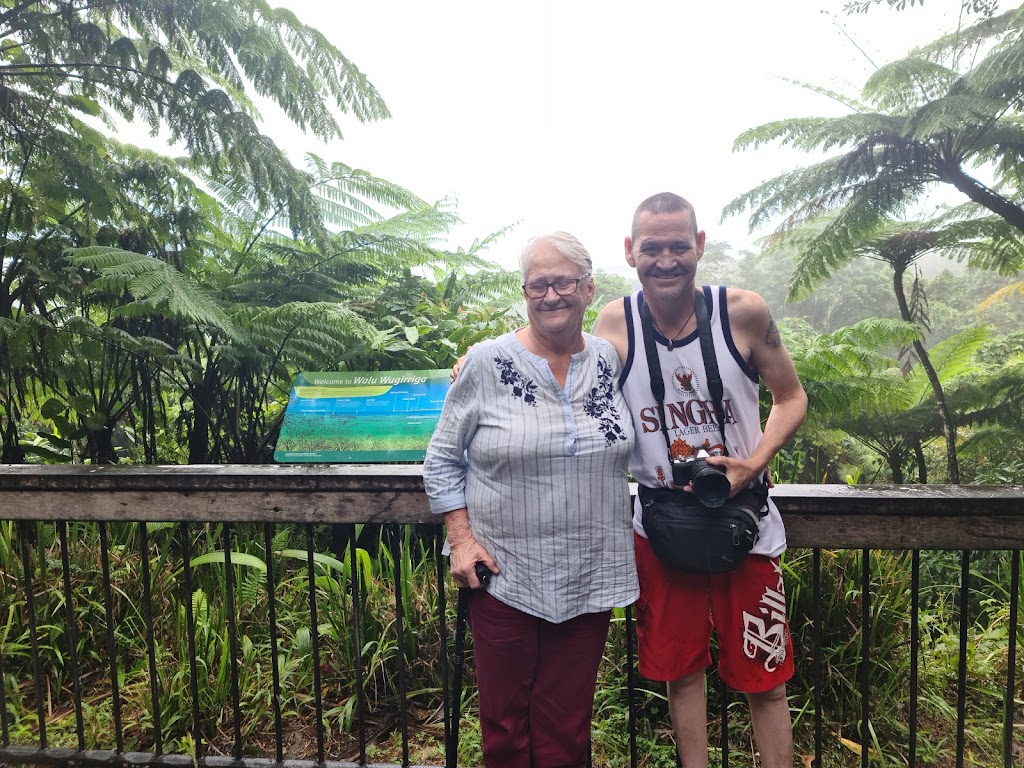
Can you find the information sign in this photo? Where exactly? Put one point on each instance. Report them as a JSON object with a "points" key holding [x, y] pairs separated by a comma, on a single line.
{"points": [[355, 417]]}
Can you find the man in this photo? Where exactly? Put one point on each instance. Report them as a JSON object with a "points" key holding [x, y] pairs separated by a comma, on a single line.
{"points": [[677, 611]]}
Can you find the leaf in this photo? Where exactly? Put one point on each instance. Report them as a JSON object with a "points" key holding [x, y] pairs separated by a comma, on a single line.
{"points": [[96, 421], [54, 440], [156, 283], [853, 746], [46, 453], [83, 104], [51, 408], [325, 560], [237, 558]]}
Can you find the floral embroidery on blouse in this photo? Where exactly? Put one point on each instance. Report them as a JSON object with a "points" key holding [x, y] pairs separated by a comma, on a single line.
{"points": [[521, 386], [599, 404]]}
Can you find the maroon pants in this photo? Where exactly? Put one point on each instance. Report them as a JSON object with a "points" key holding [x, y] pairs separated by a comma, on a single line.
{"points": [[536, 684]]}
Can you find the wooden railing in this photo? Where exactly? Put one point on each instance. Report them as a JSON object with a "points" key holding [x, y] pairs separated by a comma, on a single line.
{"points": [[818, 518]]}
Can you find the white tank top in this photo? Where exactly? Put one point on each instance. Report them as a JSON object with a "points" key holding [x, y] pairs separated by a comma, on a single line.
{"points": [[689, 407]]}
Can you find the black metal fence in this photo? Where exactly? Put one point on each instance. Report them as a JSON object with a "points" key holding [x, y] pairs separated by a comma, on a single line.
{"points": [[158, 590]]}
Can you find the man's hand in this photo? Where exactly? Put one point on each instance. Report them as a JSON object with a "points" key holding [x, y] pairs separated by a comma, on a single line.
{"points": [[739, 472], [457, 367]]}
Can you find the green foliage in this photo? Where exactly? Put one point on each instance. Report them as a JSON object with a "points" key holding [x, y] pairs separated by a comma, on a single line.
{"points": [[185, 69], [845, 372], [920, 121], [370, 642], [609, 286], [888, 636], [983, 7], [853, 387], [165, 320], [926, 123], [155, 287]]}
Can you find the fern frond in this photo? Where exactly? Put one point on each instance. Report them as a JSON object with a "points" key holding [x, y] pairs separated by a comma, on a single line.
{"points": [[905, 83], [311, 336], [1003, 294], [150, 280], [956, 356]]}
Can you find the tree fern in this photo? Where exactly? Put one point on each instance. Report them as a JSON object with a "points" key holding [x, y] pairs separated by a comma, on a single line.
{"points": [[905, 83], [928, 123], [847, 370], [163, 288]]}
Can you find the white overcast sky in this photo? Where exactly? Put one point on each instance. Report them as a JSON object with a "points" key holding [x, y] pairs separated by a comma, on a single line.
{"points": [[564, 114]]}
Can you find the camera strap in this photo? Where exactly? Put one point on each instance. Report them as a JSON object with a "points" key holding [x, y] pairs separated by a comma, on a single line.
{"points": [[707, 349]]}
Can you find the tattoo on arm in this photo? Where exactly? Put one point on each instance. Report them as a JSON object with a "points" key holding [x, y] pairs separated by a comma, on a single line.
{"points": [[771, 336]]}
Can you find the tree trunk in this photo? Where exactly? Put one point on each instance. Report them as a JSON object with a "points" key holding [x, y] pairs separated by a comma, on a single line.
{"points": [[202, 407], [948, 427], [922, 467], [11, 452], [199, 435], [984, 196], [894, 459], [100, 446]]}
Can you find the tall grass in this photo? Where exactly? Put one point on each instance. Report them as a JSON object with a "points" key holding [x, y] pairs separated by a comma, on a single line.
{"points": [[378, 652], [361, 635], [888, 637]]}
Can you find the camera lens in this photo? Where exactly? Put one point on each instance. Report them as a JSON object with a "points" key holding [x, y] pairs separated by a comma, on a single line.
{"points": [[710, 484]]}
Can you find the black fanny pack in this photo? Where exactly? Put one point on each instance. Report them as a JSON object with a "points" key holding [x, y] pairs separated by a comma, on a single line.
{"points": [[688, 536]]}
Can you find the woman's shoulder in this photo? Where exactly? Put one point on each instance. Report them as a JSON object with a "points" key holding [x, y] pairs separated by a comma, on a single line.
{"points": [[485, 354], [603, 348], [600, 345], [488, 347]]}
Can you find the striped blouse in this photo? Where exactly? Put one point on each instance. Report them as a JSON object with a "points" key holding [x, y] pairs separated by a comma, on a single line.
{"points": [[542, 472]]}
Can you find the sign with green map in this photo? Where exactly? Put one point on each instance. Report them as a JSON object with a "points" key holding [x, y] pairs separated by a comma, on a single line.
{"points": [[361, 416]]}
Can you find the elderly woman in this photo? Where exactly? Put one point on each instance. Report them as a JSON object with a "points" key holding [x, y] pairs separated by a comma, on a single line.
{"points": [[528, 466]]}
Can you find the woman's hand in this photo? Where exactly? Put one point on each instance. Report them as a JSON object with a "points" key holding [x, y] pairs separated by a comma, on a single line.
{"points": [[465, 551], [464, 559]]}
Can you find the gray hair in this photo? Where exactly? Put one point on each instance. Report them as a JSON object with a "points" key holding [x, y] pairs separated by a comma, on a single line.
{"points": [[564, 243]]}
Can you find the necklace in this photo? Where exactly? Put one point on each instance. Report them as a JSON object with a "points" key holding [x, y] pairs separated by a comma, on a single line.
{"points": [[672, 339]]}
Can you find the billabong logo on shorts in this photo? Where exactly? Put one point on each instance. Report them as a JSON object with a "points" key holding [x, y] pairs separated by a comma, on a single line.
{"points": [[767, 634]]}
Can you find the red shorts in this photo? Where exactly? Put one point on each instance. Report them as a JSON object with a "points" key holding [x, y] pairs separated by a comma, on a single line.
{"points": [[677, 612]]}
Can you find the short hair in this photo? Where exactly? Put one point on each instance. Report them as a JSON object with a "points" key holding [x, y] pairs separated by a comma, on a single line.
{"points": [[664, 202], [564, 243]]}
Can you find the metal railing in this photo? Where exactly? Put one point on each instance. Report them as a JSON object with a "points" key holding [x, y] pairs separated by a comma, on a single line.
{"points": [[48, 511]]}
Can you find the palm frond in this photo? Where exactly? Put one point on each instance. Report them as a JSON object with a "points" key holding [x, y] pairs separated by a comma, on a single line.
{"points": [[309, 335], [949, 114], [847, 370], [985, 32], [819, 133]]}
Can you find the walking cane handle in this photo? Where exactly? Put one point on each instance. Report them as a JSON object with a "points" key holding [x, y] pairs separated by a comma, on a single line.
{"points": [[483, 573]]}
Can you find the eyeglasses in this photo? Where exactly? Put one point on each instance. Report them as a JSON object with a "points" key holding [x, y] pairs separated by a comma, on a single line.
{"points": [[564, 286]]}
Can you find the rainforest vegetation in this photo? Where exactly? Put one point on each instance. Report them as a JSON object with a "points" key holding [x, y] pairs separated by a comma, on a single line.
{"points": [[155, 310]]}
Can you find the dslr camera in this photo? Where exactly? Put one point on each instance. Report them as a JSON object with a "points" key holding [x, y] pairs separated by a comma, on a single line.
{"points": [[708, 482]]}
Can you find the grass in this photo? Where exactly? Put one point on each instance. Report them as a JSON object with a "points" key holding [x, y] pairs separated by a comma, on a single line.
{"points": [[379, 553]]}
